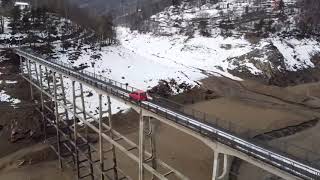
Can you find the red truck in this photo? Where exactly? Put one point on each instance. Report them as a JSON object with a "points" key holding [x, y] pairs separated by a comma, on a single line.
{"points": [[139, 96]]}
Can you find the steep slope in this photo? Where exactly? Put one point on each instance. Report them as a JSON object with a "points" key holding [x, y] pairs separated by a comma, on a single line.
{"points": [[245, 39]]}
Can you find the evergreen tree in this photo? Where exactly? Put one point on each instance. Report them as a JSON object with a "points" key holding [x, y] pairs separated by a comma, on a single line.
{"points": [[281, 6], [309, 20], [175, 2], [6, 3], [1, 21], [16, 18], [203, 28], [5, 6], [105, 30]]}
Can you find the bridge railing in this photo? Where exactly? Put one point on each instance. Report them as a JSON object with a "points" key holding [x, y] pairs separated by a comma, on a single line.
{"points": [[295, 152]]}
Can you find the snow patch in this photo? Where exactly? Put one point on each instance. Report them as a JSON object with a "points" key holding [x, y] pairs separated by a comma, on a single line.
{"points": [[11, 82], [6, 98], [297, 53]]}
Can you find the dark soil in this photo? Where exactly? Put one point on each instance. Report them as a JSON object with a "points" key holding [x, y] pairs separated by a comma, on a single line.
{"points": [[287, 131], [290, 78], [19, 123]]}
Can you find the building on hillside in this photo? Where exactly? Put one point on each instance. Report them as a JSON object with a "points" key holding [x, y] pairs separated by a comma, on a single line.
{"points": [[22, 5]]}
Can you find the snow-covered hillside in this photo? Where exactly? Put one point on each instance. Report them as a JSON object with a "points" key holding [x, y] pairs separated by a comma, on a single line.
{"points": [[142, 59], [212, 55], [218, 51], [186, 17]]}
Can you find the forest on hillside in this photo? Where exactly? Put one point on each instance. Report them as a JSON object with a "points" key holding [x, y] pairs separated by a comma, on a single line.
{"points": [[57, 21]]}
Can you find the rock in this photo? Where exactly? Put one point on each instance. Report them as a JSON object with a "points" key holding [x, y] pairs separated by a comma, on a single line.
{"points": [[20, 163], [19, 134], [89, 94]]}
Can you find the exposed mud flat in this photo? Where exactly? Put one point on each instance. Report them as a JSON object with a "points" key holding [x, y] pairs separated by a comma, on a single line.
{"points": [[290, 113], [12, 116], [36, 162], [248, 115], [40, 171]]}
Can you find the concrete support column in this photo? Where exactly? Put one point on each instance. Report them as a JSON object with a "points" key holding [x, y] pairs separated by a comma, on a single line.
{"points": [[114, 156], [75, 129], [48, 78], [30, 77], [57, 116], [100, 138], [42, 104], [63, 93], [36, 70], [152, 128], [21, 64], [84, 110], [141, 146], [225, 166], [216, 166]]}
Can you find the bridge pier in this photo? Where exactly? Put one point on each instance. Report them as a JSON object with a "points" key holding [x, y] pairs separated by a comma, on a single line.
{"points": [[216, 166], [84, 110], [141, 146], [57, 118], [114, 156], [147, 129], [63, 94], [86, 137], [44, 124], [101, 154], [75, 128], [152, 140], [28, 64], [112, 149], [47, 78], [36, 71]]}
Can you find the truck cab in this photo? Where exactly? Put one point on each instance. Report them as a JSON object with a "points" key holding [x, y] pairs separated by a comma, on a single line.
{"points": [[138, 96]]}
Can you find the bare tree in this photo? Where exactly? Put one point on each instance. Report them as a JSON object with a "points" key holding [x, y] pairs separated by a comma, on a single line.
{"points": [[5, 7]]}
